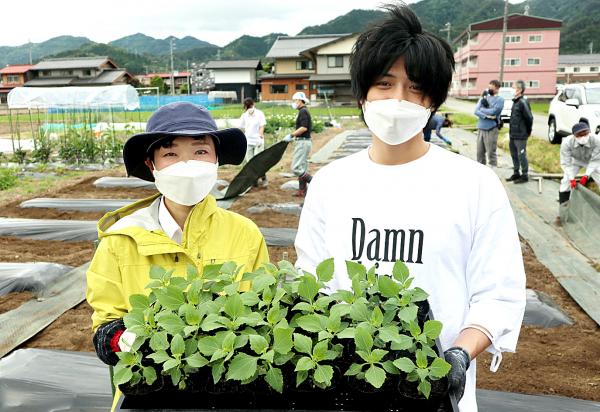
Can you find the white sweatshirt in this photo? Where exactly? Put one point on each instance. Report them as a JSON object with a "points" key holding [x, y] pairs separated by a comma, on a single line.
{"points": [[447, 217]]}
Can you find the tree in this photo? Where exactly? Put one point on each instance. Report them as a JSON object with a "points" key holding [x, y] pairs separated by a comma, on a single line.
{"points": [[157, 81]]}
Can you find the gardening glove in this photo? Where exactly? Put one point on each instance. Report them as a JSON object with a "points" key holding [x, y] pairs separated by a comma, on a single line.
{"points": [[573, 183], [583, 181], [288, 138], [126, 341], [460, 360]]}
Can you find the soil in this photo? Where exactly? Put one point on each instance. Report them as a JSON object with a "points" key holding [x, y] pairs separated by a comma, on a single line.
{"points": [[560, 361]]}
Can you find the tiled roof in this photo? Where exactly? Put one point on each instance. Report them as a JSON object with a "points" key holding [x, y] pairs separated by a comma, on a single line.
{"points": [[233, 64], [71, 63], [288, 46], [16, 69]]}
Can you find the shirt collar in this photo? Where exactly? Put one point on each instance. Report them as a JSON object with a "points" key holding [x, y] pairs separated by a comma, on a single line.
{"points": [[168, 224]]}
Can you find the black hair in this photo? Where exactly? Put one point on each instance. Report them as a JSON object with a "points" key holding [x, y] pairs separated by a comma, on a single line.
{"points": [[248, 103], [428, 59], [496, 84]]}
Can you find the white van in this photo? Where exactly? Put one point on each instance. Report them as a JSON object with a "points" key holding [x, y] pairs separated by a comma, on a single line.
{"points": [[577, 102], [507, 93]]}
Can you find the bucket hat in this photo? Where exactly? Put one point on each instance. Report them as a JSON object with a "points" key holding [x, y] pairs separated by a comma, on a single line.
{"points": [[176, 120]]}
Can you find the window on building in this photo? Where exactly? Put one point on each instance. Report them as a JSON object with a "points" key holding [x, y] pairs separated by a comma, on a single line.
{"points": [[576, 69], [533, 84], [512, 39], [12, 78], [300, 86], [594, 69], [533, 61], [473, 61], [561, 69], [512, 61], [45, 73], [507, 83], [474, 38], [304, 65], [335, 61], [278, 88], [535, 38], [87, 72]]}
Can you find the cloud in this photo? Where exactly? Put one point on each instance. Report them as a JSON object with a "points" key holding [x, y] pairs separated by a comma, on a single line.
{"points": [[216, 21]]}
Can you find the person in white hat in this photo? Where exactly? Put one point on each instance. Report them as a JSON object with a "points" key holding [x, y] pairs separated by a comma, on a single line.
{"points": [[302, 142]]}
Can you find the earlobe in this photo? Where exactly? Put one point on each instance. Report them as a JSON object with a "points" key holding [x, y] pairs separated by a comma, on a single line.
{"points": [[148, 163]]}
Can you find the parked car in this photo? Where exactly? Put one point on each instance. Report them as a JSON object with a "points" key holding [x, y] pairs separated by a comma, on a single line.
{"points": [[507, 93], [577, 102]]}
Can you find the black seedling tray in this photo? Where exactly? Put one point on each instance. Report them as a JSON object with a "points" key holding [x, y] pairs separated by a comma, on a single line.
{"points": [[347, 394]]}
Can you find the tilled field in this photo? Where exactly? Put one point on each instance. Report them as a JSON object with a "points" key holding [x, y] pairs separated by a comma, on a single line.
{"points": [[559, 361]]}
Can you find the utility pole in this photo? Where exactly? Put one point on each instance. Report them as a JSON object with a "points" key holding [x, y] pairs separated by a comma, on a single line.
{"points": [[30, 57], [172, 71], [447, 29], [503, 46], [592, 47]]}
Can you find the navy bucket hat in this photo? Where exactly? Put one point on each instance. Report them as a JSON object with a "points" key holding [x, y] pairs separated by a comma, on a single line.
{"points": [[176, 120]]}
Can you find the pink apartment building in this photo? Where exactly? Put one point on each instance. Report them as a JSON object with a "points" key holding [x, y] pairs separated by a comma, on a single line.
{"points": [[531, 54]]}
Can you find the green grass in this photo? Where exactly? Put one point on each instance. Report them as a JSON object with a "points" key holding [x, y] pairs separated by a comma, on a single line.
{"points": [[218, 112], [29, 186], [540, 107]]}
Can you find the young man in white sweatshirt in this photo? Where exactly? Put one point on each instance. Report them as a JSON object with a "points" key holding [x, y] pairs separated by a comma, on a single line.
{"points": [[382, 204]]}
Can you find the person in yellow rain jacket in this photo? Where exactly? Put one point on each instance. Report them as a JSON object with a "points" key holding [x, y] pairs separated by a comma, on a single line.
{"points": [[179, 226]]}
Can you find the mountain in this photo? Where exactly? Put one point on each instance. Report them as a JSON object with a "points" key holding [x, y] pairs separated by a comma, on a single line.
{"points": [[580, 25], [20, 54], [140, 43], [135, 64], [352, 22], [249, 47]]}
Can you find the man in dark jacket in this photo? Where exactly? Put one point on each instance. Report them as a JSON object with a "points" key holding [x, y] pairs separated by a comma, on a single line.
{"points": [[521, 122]]}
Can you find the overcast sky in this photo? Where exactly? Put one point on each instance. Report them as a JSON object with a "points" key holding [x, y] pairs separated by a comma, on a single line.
{"points": [[216, 21]]}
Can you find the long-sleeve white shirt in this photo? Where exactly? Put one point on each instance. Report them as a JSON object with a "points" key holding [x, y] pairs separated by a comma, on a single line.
{"points": [[447, 217]]}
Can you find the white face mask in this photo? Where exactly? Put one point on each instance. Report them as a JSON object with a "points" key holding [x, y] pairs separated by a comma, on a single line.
{"points": [[395, 121], [294, 105], [251, 110], [583, 139], [186, 183]]}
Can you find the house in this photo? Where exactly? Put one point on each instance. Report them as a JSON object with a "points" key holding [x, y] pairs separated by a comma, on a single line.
{"points": [[180, 78], [292, 68], [531, 54], [331, 79], [13, 76], [578, 68], [78, 71], [235, 76]]}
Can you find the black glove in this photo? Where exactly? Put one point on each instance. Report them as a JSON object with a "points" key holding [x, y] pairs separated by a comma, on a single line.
{"points": [[102, 341], [460, 360]]}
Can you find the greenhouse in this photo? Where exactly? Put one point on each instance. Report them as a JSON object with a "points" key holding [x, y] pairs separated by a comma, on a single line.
{"points": [[73, 124]]}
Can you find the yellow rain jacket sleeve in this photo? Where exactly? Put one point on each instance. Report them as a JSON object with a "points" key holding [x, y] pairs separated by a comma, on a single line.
{"points": [[131, 241]]}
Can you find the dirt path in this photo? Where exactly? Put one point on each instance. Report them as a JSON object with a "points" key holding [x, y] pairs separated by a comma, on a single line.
{"points": [[561, 361]]}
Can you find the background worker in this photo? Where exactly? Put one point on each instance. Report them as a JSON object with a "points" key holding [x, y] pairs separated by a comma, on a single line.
{"points": [[436, 122], [180, 226], [521, 123], [253, 123], [488, 111], [578, 150], [302, 142]]}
